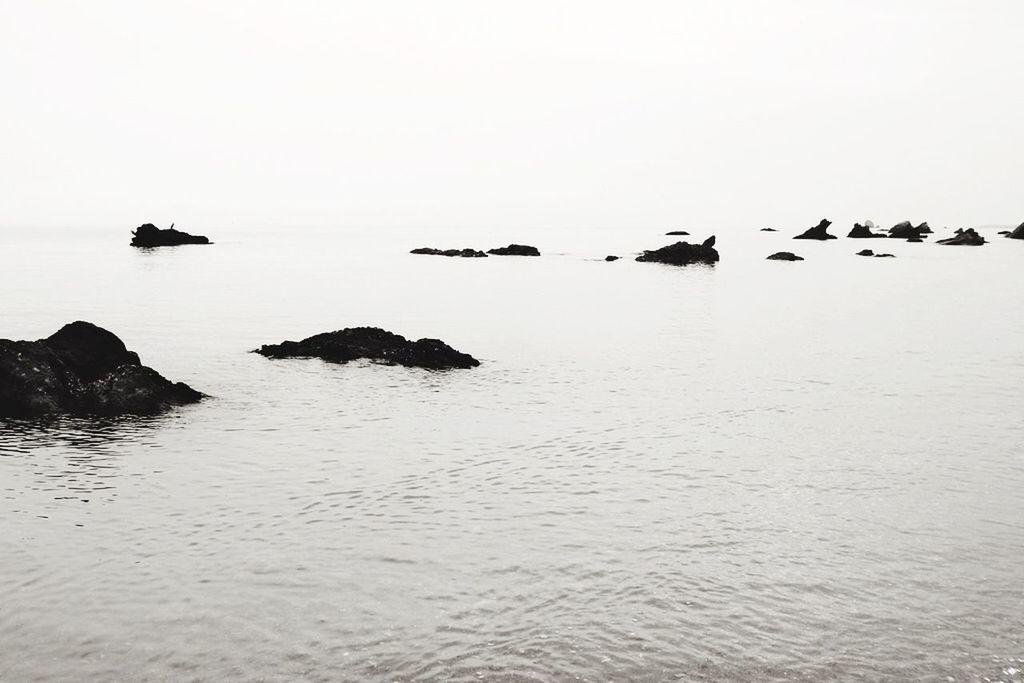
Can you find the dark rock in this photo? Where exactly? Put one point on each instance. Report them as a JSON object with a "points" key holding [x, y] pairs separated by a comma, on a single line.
{"points": [[768, 230], [785, 256], [863, 231], [611, 258], [677, 232], [515, 250], [865, 252], [909, 232], [1017, 233], [374, 344], [683, 253], [148, 235], [1005, 232], [968, 238], [885, 256], [82, 369], [464, 253], [818, 232]]}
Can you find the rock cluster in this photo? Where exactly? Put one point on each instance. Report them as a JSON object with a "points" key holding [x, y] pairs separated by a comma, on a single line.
{"points": [[464, 253], [82, 369], [967, 238]]}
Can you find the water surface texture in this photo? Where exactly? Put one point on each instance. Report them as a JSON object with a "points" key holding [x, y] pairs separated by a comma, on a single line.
{"points": [[757, 471]]}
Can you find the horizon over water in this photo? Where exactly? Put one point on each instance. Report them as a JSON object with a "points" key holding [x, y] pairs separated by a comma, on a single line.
{"points": [[757, 471]]}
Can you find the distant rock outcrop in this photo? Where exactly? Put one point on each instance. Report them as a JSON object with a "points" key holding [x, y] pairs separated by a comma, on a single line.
{"points": [[82, 369], [909, 232], [374, 344], [464, 253], [965, 238], [785, 256], [683, 253], [611, 257], [863, 232], [818, 232], [1017, 233], [515, 250], [677, 232], [148, 235]]}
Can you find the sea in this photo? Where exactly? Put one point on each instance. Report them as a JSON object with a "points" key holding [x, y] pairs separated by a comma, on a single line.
{"points": [[752, 471]]}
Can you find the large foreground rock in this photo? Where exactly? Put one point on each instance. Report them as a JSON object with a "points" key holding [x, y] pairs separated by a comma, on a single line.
{"points": [[683, 253], [515, 250], [82, 369], [148, 235], [464, 253], [818, 232], [373, 343], [968, 238], [1017, 233]]}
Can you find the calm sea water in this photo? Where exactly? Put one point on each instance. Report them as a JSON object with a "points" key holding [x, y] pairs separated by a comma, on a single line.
{"points": [[757, 471]]}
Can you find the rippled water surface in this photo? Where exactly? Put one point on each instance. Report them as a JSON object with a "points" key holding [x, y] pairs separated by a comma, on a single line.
{"points": [[757, 471]]}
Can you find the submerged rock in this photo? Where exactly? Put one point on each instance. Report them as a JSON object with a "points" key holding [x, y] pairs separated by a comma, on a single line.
{"points": [[967, 238], [464, 253], [885, 256], [785, 256], [768, 230], [515, 250], [82, 369], [373, 343], [863, 232], [148, 235], [611, 258], [683, 253], [1017, 233], [818, 232], [677, 232]]}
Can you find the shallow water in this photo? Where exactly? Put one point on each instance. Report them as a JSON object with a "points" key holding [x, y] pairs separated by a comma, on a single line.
{"points": [[756, 471]]}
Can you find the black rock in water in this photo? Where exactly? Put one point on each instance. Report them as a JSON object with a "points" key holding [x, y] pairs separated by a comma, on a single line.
{"points": [[515, 250], [865, 252], [863, 231], [683, 253], [885, 256], [967, 238], [818, 232], [464, 253], [677, 232], [611, 258], [768, 230], [785, 256], [148, 235], [1017, 233], [82, 369], [909, 232], [375, 344]]}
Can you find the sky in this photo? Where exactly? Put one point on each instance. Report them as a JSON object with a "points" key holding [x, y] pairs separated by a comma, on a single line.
{"points": [[562, 113]]}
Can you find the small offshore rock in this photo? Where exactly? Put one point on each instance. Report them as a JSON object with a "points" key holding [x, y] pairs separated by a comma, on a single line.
{"points": [[907, 231], [885, 256], [82, 369], [865, 252], [683, 253], [611, 258], [463, 253], [863, 232], [968, 238], [677, 232], [818, 232], [768, 230], [372, 343], [515, 250], [148, 235], [785, 256]]}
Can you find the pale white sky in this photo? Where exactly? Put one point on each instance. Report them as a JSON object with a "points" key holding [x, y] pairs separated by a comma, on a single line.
{"points": [[560, 113]]}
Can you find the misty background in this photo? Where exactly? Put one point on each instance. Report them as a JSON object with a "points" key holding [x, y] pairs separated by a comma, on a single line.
{"points": [[567, 113]]}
